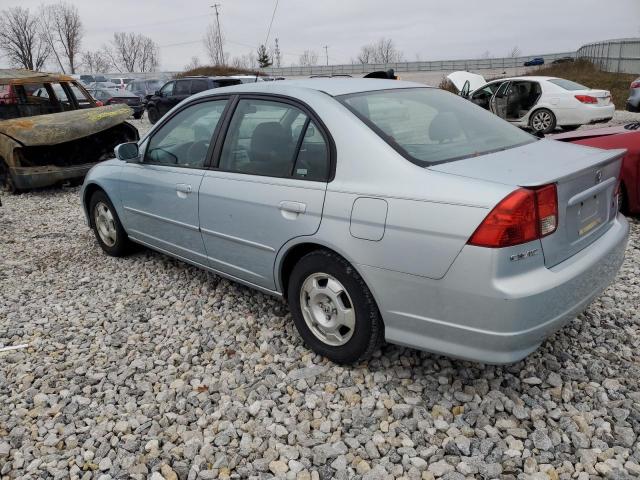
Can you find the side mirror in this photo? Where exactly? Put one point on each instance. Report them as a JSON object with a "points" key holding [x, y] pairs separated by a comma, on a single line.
{"points": [[127, 151]]}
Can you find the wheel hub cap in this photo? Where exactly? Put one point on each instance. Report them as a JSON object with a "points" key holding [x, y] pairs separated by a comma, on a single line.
{"points": [[541, 121], [105, 224], [327, 309]]}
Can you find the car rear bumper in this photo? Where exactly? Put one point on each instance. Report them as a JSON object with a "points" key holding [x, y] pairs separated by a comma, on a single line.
{"points": [[584, 115], [25, 178], [484, 312]]}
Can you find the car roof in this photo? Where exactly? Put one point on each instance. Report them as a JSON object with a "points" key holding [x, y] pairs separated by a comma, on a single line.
{"points": [[330, 86], [529, 77], [11, 75]]}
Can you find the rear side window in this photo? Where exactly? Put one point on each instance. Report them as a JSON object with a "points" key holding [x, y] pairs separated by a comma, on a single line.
{"points": [[274, 139], [199, 86], [567, 84], [183, 87], [429, 125]]}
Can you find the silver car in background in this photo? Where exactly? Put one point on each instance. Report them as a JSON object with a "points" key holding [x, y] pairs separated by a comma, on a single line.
{"points": [[379, 209]]}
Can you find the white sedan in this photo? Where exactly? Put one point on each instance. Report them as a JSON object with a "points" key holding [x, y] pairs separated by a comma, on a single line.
{"points": [[538, 103]]}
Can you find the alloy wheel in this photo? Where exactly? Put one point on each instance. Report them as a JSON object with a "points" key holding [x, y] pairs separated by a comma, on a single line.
{"points": [[541, 121], [105, 224], [327, 309]]}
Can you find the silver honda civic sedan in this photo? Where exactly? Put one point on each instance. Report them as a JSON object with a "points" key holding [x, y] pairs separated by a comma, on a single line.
{"points": [[379, 209]]}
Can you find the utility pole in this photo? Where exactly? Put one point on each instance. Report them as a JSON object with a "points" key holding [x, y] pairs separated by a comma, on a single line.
{"points": [[326, 52], [220, 52]]}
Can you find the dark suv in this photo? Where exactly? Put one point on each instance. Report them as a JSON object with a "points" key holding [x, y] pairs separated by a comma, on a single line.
{"points": [[175, 91]]}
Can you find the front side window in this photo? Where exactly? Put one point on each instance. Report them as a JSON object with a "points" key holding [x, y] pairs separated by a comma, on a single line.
{"points": [[81, 97], [273, 139], [430, 126], [487, 91], [167, 89], [183, 141]]}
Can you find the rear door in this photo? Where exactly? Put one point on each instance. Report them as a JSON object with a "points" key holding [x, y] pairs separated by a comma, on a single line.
{"points": [[268, 187]]}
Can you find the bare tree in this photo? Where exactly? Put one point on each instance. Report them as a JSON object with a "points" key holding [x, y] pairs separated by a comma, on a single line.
{"points": [[308, 58], [130, 52], [214, 44], [382, 51], [486, 54], [193, 64], [515, 52], [95, 62], [61, 27], [385, 51], [20, 40], [366, 54]]}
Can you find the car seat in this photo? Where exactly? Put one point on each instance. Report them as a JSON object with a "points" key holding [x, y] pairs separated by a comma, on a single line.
{"points": [[270, 150]]}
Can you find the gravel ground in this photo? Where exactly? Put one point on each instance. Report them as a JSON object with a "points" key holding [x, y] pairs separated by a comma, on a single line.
{"points": [[145, 367]]}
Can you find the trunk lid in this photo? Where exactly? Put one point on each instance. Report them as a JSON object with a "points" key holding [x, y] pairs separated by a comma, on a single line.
{"points": [[585, 177], [603, 96]]}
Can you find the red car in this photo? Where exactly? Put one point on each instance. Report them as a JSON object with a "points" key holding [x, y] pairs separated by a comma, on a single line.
{"points": [[609, 138]]}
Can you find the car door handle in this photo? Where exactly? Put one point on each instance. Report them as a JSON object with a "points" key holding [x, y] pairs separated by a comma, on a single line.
{"points": [[183, 188], [293, 207]]}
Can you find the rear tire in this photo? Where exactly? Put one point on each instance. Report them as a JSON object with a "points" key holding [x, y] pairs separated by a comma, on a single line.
{"points": [[542, 121], [107, 227], [333, 309], [153, 115]]}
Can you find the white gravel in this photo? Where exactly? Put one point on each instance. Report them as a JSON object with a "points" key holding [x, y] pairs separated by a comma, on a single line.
{"points": [[145, 367]]}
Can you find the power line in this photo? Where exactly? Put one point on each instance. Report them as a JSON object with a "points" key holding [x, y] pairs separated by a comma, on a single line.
{"points": [[266, 42]]}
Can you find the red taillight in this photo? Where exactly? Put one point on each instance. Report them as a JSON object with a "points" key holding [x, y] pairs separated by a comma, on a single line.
{"points": [[635, 84], [522, 216], [99, 103], [586, 99]]}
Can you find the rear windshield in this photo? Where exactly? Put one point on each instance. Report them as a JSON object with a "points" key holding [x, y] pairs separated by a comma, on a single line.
{"points": [[567, 84], [429, 125]]}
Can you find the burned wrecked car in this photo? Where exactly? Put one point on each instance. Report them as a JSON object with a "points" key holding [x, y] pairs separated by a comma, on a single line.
{"points": [[52, 130]]}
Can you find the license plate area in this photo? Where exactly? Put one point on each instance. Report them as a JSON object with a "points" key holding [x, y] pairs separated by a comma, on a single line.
{"points": [[587, 217]]}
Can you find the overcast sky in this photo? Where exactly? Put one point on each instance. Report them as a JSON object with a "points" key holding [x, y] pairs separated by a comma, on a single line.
{"points": [[421, 29]]}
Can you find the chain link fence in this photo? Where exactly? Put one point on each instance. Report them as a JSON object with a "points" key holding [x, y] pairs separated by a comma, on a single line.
{"points": [[618, 56]]}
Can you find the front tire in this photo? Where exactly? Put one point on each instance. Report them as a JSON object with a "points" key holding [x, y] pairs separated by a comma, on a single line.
{"points": [[153, 115], [107, 227], [333, 309], [542, 121]]}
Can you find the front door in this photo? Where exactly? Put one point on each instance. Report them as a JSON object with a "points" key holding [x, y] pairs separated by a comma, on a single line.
{"points": [[500, 100], [160, 194], [269, 187]]}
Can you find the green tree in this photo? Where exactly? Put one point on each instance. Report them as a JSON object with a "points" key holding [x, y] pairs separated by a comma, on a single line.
{"points": [[264, 59]]}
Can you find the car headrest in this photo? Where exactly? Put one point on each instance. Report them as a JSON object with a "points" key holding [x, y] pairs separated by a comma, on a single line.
{"points": [[267, 138]]}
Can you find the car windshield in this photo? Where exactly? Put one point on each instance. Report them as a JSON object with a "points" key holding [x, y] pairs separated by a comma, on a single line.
{"points": [[154, 85], [567, 84], [429, 125]]}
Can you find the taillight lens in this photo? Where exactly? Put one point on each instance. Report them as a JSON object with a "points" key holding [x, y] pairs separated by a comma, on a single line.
{"points": [[635, 85], [524, 215], [99, 103], [586, 99]]}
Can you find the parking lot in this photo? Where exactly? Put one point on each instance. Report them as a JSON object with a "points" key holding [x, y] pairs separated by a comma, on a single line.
{"points": [[145, 367]]}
